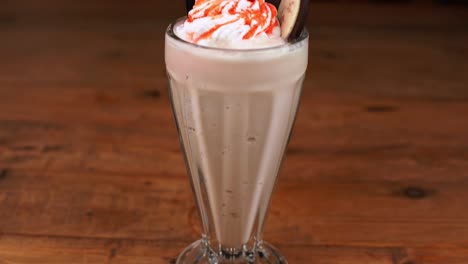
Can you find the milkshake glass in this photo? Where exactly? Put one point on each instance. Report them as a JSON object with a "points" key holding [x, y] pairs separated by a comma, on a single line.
{"points": [[234, 110]]}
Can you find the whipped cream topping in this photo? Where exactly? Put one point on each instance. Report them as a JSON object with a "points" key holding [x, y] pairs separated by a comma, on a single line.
{"points": [[232, 23]]}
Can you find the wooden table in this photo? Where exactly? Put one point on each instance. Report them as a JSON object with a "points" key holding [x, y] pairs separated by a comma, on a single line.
{"points": [[90, 165]]}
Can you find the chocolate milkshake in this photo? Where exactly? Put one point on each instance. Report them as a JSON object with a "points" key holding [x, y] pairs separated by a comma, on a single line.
{"points": [[235, 85]]}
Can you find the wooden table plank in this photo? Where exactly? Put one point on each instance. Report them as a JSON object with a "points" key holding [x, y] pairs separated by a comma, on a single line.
{"points": [[98, 251]]}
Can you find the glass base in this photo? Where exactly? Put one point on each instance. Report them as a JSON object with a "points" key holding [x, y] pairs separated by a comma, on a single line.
{"points": [[200, 253]]}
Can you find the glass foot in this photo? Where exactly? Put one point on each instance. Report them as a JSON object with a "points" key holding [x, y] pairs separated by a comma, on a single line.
{"points": [[200, 253]]}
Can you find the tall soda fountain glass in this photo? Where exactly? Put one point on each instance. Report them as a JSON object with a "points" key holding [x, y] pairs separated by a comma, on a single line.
{"points": [[234, 111]]}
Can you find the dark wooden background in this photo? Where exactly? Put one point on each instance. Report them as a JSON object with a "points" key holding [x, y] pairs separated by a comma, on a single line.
{"points": [[90, 165]]}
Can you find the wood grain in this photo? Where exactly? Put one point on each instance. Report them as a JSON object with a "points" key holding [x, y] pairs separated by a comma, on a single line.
{"points": [[91, 170]]}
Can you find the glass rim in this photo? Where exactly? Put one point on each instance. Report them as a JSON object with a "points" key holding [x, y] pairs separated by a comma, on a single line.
{"points": [[171, 33]]}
